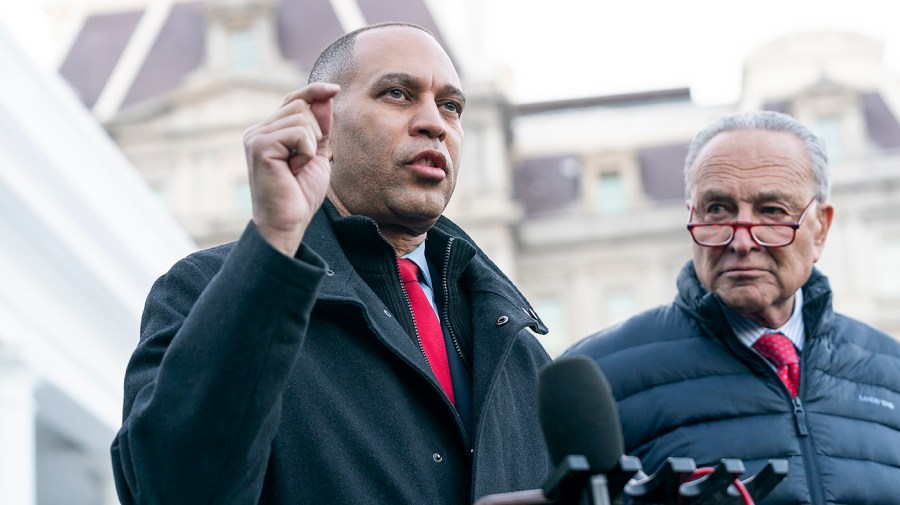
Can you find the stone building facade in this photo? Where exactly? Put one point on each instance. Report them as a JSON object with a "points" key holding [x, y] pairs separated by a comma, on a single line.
{"points": [[600, 181], [580, 201]]}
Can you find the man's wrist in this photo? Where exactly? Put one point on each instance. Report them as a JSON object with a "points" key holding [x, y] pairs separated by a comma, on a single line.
{"points": [[285, 242]]}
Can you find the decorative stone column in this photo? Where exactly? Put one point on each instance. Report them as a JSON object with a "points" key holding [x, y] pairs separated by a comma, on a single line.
{"points": [[17, 430]]}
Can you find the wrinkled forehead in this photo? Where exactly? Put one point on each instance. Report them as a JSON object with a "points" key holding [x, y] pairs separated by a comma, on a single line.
{"points": [[402, 49], [752, 162]]}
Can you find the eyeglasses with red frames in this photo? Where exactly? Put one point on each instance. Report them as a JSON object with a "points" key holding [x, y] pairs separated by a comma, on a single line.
{"points": [[764, 234]]}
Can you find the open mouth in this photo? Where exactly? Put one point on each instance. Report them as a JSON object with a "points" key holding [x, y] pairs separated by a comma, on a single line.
{"points": [[432, 159]]}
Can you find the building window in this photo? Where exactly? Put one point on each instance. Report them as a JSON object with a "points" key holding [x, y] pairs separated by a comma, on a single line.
{"points": [[889, 268], [244, 50], [620, 305], [830, 130], [160, 192], [610, 193], [475, 155], [243, 202], [552, 312]]}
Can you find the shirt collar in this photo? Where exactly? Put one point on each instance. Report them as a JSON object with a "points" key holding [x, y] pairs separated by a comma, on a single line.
{"points": [[749, 331], [417, 256]]}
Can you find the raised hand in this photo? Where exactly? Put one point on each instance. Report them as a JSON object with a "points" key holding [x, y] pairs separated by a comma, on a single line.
{"points": [[287, 157]]}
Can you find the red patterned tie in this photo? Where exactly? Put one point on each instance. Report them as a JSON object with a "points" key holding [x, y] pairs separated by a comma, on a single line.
{"points": [[781, 352], [430, 334]]}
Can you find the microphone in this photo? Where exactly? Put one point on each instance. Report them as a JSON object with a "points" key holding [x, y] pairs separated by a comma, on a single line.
{"points": [[579, 417], [581, 426], [578, 413]]}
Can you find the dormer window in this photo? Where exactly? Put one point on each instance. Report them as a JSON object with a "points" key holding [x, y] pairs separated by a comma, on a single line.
{"points": [[830, 129], [609, 193], [244, 49]]}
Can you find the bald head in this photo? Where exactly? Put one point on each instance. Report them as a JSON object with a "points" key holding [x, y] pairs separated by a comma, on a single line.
{"points": [[336, 64]]}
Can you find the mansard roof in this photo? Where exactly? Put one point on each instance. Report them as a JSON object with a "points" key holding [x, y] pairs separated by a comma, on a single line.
{"points": [[178, 46]]}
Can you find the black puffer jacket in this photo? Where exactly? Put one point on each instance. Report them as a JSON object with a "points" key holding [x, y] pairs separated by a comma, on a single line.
{"points": [[686, 387], [264, 379]]}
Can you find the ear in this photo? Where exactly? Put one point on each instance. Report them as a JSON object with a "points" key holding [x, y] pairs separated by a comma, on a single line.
{"points": [[824, 215]]}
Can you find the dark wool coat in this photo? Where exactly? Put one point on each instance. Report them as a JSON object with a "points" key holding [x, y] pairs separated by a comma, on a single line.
{"points": [[686, 387], [265, 379]]}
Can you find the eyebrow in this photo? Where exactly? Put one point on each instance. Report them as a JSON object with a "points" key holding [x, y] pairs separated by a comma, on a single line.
{"points": [[714, 195], [412, 82], [765, 196]]}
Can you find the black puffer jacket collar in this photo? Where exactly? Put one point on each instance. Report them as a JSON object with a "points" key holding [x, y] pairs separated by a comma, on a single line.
{"points": [[707, 308]]}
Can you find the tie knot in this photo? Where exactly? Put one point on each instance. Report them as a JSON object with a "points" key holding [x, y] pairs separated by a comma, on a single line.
{"points": [[777, 348], [409, 271]]}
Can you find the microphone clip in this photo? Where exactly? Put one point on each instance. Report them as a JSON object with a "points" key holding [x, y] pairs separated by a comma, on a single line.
{"points": [[678, 481]]}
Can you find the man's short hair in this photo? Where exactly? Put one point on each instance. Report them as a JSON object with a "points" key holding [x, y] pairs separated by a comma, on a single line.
{"points": [[763, 120], [335, 64]]}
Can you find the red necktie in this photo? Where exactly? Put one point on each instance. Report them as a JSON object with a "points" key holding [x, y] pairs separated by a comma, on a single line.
{"points": [[781, 352], [431, 336]]}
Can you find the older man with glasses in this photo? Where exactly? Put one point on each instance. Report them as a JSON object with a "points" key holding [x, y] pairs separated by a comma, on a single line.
{"points": [[750, 361]]}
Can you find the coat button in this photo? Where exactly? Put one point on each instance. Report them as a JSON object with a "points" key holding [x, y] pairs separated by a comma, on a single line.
{"points": [[502, 320], [437, 457], [388, 313]]}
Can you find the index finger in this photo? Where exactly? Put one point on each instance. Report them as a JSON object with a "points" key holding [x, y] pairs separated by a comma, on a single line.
{"points": [[313, 92]]}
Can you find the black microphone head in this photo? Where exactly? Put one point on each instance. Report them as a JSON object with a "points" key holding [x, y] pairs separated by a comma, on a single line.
{"points": [[578, 413]]}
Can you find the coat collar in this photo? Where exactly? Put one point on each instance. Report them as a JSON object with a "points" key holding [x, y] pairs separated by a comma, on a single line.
{"points": [[354, 251], [328, 231], [707, 307]]}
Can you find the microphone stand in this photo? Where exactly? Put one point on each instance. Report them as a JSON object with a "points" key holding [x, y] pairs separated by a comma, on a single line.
{"points": [[677, 482], [570, 483]]}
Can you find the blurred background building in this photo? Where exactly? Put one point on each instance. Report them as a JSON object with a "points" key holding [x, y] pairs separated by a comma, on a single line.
{"points": [[81, 240], [580, 201]]}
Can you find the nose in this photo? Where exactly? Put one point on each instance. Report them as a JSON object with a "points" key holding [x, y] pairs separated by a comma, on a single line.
{"points": [[742, 241], [427, 121]]}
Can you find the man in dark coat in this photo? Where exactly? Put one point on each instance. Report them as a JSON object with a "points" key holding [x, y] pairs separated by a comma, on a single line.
{"points": [[750, 362], [292, 365]]}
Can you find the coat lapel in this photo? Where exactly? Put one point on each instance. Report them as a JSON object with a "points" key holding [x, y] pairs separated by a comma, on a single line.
{"points": [[345, 287]]}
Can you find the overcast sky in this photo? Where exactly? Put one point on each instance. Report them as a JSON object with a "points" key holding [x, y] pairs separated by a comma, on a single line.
{"points": [[594, 47]]}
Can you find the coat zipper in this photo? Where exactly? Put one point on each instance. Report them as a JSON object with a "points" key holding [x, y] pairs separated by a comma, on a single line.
{"points": [[806, 444], [446, 311], [800, 417], [459, 424], [413, 314], [817, 493], [408, 304]]}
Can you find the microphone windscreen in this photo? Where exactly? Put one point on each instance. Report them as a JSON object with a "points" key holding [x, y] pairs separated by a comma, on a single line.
{"points": [[578, 413]]}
